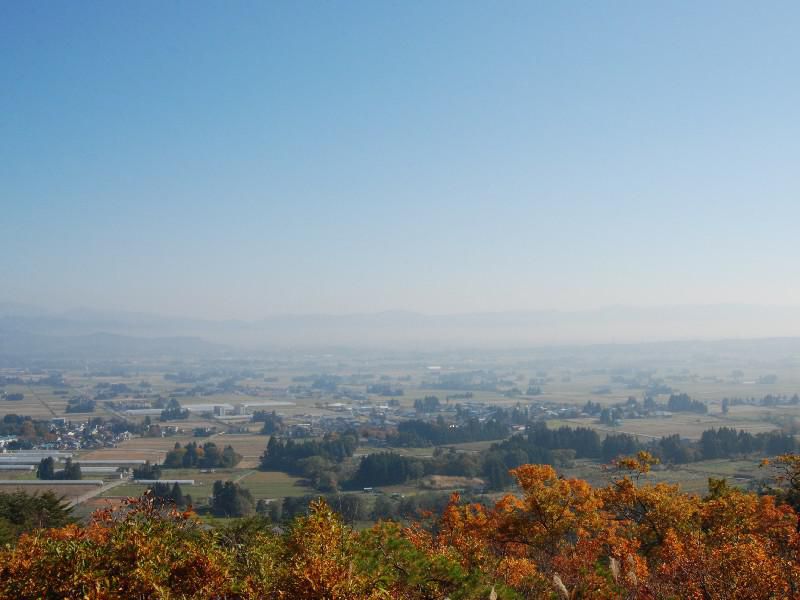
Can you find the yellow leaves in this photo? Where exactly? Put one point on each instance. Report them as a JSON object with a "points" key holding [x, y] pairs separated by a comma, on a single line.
{"points": [[517, 571], [646, 513], [551, 507], [549, 496], [786, 469], [622, 541], [789, 460], [638, 464], [137, 551], [321, 550]]}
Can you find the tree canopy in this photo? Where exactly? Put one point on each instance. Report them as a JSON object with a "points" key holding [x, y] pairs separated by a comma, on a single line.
{"points": [[555, 538]]}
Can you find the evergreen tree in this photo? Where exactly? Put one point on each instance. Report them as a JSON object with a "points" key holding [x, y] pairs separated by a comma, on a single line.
{"points": [[46, 469], [147, 471], [231, 500], [71, 471], [21, 513]]}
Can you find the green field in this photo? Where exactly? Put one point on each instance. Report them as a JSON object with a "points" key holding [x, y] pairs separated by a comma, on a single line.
{"points": [[274, 484], [262, 484]]}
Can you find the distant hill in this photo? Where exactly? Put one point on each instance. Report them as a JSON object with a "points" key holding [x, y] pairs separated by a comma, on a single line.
{"points": [[395, 329], [16, 345]]}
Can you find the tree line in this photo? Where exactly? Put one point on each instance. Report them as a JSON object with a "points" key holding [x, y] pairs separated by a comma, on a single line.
{"points": [[207, 456], [558, 447], [355, 507], [287, 454], [321, 461], [417, 433]]}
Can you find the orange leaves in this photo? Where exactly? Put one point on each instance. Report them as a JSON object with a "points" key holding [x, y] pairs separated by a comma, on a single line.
{"points": [[139, 551], [556, 538], [551, 509], [646, 513], [638, 464], [467, 529], [556, 527], [626, 540], [741, 568]]}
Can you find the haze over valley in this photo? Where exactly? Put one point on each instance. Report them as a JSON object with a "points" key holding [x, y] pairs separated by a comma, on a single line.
{"points": [[421, 301], [26, 330]]}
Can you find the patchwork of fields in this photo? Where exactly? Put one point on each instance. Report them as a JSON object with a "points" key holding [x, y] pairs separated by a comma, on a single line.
{"points": [[571, 386]]}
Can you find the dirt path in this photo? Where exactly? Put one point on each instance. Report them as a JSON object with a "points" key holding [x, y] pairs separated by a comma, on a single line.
{"points": [[42, 402], [97, 491], [243, 475]]}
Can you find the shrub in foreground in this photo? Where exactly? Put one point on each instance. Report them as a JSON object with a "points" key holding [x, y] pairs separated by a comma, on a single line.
{"points": [[558, 538]]}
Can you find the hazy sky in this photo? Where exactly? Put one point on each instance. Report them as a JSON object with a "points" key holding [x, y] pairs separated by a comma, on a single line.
{"points": [[232, 159]]}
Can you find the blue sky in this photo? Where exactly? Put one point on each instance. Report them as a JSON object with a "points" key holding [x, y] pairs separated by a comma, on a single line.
{"points": [[246, 159]]}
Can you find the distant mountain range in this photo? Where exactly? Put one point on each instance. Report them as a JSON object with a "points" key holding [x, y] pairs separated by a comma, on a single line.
{"points": [[105, 346], [31, 331]]}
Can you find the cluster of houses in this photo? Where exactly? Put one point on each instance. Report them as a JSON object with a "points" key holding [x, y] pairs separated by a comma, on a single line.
{"points": [[65, 435]]}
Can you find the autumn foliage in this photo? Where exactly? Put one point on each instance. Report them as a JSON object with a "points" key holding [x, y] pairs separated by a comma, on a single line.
{"points": [[556, 538]]}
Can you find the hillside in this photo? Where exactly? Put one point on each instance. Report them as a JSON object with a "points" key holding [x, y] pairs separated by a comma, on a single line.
{"points": [[558, 538]]}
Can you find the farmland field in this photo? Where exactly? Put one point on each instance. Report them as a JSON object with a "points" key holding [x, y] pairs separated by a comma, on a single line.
{"points": [[266, 485], [690, 426], [274, 484], [331, 393], [251, 447], [69, 492]]}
